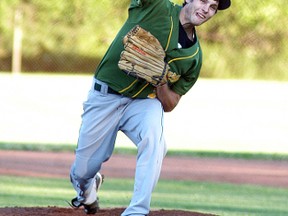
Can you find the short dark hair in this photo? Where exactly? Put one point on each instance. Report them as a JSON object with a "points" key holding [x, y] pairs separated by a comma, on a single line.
{"points": [[184, 3]]}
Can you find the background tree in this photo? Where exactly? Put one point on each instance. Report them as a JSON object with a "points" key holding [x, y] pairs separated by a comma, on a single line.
{"points": [[246, 41]]}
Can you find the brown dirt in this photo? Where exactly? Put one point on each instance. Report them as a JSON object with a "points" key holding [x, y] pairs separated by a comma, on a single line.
{"points": [[56, 211], [57, 165]]}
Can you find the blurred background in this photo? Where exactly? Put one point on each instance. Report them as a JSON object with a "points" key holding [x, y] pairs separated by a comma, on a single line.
{"points": [[246, 41], [49, 51]]}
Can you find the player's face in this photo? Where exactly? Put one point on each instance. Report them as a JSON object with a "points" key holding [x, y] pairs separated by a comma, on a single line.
{"points": [[198, 12]]}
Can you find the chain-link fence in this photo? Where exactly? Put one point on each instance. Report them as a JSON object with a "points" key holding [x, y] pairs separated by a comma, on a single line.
{"points": [[246, 41]]}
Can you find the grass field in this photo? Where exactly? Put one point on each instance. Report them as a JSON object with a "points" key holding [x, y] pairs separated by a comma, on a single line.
{"points": [[216, 198]]}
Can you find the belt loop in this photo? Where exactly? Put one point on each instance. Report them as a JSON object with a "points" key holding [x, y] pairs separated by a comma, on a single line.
{"points": [[103, 86], [104, 89]]}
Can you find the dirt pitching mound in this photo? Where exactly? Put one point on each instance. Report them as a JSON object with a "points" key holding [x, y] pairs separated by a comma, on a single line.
{"points": [[52, 211]]}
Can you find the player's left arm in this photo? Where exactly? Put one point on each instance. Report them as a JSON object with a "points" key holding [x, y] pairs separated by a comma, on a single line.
{"points": [[167, 97]]}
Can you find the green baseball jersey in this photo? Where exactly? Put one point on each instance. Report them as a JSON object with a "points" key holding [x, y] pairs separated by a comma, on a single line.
{"points": [[161, 18]]}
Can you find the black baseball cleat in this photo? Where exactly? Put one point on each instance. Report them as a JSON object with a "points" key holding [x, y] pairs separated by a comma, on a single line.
{"points": [[92, 208], [89, 209]]}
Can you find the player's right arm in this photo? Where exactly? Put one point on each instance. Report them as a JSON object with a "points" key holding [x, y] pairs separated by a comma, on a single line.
{"points": [[167, 97]]}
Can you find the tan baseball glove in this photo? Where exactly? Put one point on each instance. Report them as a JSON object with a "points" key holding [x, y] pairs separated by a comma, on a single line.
{"points": [[143, 57]]}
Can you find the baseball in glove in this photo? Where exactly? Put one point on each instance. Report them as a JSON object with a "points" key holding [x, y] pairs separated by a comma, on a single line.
{"points": [[143, 57]]}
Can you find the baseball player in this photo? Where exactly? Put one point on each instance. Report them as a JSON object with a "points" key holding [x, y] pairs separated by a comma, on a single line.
{"points": [[118, 101]]}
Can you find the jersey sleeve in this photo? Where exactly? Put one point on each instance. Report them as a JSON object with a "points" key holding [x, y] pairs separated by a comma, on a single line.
{"points": [[187, 80]]}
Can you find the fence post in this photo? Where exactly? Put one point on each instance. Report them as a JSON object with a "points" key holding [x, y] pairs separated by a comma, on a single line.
{"points": [[17, 43]]}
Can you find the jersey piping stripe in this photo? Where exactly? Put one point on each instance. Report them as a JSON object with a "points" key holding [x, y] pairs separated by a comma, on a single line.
{"points": [[187, 57], [125, 89], [140, 91], [170, 34]]}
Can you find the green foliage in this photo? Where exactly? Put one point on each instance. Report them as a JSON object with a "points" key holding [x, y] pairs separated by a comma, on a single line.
{"points": [[7, 8], [245, 41], [64, 26], [68, 26], [214, 198]]}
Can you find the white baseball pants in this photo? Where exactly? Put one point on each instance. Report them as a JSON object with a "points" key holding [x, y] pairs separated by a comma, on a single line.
{"points": [[139, 119]]}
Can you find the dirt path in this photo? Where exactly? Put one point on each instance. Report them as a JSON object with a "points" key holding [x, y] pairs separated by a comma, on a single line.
{"points": [[49, 164]]}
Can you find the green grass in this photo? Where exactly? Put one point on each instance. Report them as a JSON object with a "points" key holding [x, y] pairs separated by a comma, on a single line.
{"points": [[36, 147], [216, 198], [124, 150]]}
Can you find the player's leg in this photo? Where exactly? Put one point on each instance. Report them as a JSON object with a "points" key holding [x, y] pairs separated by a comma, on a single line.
{"points": [[144, 126], [96, 142]]}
